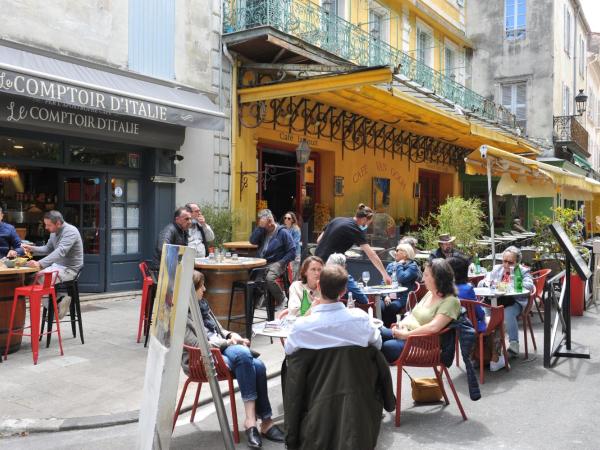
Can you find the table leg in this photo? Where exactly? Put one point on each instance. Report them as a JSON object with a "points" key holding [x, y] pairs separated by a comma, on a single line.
{"points": [[378, 306]]}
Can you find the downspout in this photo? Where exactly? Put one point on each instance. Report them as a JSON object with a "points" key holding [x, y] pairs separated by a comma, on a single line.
{"points": [[234, 121], [221, 106]]}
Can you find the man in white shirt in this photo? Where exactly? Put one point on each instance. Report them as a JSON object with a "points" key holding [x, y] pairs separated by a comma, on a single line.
{"points": [[199, 233], [330, 323]]}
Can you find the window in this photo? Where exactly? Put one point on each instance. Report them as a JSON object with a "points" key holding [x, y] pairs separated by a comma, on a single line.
{"points": [[514, 98], [566, 101], [450, 63], [125, 216], [567, 30], [425, 45], [582, 56], [514, 19], [152, 37], [334, 7]]}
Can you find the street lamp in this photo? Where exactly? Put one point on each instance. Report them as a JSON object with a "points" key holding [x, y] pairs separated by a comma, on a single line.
{"points": [[581, 100], [303, 152]]}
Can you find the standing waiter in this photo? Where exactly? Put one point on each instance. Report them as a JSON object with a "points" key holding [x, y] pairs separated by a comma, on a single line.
{"points": [[343, 232]]}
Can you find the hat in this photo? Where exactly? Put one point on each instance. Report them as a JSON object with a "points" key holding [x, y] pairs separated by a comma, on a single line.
{"points": [[445, 238]]}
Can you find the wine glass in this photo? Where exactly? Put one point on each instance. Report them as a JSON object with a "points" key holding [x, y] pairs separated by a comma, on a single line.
{"points": [[366, 276]]}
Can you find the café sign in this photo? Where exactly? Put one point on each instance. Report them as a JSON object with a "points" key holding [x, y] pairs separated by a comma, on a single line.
{"points": [[97, 100]]}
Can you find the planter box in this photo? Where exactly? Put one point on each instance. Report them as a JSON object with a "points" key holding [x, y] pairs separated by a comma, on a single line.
{"points": [[577, 297]]}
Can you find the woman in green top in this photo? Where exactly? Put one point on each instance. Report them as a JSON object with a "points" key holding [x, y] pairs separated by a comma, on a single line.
{"points": [[431, 315], [305, 290]]}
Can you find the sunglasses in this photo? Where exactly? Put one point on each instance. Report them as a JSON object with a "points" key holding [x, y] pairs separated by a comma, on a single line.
{"points": [[287, 218]]}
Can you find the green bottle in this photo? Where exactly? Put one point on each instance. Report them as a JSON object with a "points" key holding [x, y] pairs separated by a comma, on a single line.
{"points": [[518, 279], [477, 263], [305, 305]]}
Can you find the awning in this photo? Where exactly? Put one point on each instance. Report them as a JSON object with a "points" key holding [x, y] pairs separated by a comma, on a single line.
{"points": [[581, 162], [52, 80], [358, 92]]}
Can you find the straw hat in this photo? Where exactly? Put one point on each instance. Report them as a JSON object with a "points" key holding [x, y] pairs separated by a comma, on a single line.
{"points": [[445, 238]]}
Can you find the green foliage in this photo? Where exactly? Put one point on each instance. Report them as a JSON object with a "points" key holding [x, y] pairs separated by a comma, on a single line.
{"points": [[221, 221], [460, 217]]}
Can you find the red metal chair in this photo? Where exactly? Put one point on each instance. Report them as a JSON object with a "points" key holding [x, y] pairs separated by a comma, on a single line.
{"points": [[496, 322], [198, 375], [147, 284], [423, 350], [414, 296], [526, 317], [539, 281], [35, 292]]}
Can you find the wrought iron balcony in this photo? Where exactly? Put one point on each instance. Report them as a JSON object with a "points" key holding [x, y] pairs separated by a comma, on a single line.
{"points": [[320, 28], [568, 132]]}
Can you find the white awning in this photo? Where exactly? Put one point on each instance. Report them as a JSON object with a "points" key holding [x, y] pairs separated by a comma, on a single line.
{"points": [[47, 79]]}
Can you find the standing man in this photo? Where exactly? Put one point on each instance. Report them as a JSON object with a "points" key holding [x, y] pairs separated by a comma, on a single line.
{"points": [[200, 233], [10, 243], [343, 232], [445, 248], [275, 244], [175, 233], [64, 251]]}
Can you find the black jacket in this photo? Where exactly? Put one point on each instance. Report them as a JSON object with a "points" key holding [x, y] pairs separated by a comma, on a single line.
{"points": [[171, 234], [333, 398], [437, 253]]}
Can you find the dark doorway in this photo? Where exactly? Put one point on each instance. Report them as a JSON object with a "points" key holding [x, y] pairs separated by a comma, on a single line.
{"points": [[279, 181], [429, 199]]}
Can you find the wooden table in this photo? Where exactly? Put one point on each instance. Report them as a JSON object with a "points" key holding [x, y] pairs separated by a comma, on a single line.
{"points": [[242, 248], [9, 280], [219, 278]]}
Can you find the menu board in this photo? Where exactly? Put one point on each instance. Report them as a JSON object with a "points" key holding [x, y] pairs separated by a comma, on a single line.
{"points": [[570, 251]]}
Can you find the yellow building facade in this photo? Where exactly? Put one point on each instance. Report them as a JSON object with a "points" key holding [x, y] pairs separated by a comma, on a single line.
{"points": [[394, 138]]}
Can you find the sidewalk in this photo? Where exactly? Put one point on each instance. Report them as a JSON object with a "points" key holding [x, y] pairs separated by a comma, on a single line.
{"points": [[96, 384], [100, 383]]}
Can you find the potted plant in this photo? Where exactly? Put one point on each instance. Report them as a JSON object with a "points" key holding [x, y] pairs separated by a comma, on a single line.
{"points": [[221, 220]]}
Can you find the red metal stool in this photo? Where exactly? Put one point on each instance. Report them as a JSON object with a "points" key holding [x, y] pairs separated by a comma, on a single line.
{"points": [[35, 292], [147, 285]]}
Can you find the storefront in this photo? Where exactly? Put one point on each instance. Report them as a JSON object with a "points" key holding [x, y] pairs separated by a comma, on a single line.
{"points": [[97, 146]]}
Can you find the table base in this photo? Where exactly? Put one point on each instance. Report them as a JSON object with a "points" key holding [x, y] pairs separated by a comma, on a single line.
{"points": [[8, 283], [218, 294]]}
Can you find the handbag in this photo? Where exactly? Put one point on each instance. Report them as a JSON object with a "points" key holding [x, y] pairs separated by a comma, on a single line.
{"points": [[425, 389]]}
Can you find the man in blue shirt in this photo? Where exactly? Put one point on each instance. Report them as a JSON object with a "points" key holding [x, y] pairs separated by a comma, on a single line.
{"points": [[10, 243]]}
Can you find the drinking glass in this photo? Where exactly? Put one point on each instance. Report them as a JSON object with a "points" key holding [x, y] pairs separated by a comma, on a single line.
{"points": [[234, 257], [366, 276]]}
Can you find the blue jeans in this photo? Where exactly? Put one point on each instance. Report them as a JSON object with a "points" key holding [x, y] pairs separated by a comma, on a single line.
{"points": [[251, 375], [389, 312], [510, 319], [392, 347]]}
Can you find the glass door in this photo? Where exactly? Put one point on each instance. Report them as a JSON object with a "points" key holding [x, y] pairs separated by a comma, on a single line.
{"points": [[83, 205]]}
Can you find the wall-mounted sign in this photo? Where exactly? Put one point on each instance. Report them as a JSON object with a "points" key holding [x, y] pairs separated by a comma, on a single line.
{"points": [[338, 188], [118, 192]]}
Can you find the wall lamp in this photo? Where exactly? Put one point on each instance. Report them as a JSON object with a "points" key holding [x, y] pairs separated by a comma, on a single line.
{"points": [[176, 158], [580, 101]]}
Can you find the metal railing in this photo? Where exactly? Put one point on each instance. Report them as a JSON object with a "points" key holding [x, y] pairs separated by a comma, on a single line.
{"points": [[318, 27], [567, 129]]}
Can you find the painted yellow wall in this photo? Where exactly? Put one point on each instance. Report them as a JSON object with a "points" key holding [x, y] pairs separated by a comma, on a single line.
{"points": [[357, 167]]}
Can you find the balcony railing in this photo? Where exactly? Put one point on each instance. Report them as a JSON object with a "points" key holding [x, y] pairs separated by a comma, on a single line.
{"points": [[570, 133], [318, 27]]}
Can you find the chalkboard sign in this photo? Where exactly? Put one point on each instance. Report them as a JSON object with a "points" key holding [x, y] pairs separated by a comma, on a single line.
{"points": [[570, 251]]}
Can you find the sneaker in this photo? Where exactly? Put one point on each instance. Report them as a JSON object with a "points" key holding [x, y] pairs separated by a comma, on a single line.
{"points": [[63, 306], [513, 348], [496, 366]]}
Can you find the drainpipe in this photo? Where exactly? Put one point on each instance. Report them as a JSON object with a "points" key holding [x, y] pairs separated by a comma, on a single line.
{"points": [[220, 100], [575, 44], [233, 118]]}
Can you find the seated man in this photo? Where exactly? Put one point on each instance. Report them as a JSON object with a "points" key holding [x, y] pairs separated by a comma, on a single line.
{"points": [[275, 244], [330, 323], [64, 251], [10, 243], [175, 233], [445, 248]]}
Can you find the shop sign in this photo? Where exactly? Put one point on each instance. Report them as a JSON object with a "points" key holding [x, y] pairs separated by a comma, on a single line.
{"points": [[23, 113], [93, 100]]}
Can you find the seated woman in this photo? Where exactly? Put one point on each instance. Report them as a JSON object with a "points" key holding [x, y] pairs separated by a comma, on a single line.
{"points": [[305, 290], [352, 286], [407, 273], [432, 314], [249, 371], [513, 305]]}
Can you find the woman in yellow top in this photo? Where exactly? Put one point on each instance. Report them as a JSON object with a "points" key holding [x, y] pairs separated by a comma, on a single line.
{"points": [[306, 288], [431, 315]]}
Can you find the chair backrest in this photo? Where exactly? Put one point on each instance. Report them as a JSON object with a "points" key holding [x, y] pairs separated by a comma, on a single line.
{"points": [[470, 305], [144, 269], [496, 317], [420, 290], [539, 280], [530, 302], [197, 372], [49, 278], [422, 350]]}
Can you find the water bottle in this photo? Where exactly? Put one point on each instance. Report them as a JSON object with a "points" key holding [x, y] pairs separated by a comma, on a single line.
{"points": [[394, 279], [477, 263], [511, 281], [518, 278], [350, 303]]}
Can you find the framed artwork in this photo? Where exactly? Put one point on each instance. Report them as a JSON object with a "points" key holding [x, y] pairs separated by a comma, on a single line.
{"points": [[338, 187], [381, 193], [309, 171]]}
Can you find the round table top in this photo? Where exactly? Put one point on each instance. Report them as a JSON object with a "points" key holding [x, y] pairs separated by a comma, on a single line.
{"points": [[422, 255], [229, 264], [378, 290], [240, 244], [486, 292], [17, 270]]}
